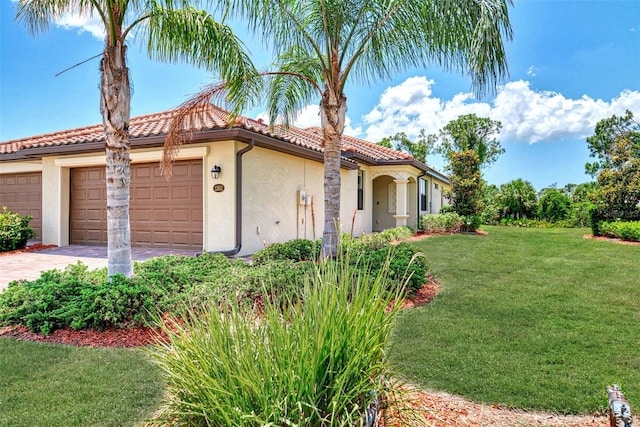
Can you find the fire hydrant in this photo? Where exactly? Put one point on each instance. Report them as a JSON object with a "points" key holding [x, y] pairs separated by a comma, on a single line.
{"points": [[619, 409]]}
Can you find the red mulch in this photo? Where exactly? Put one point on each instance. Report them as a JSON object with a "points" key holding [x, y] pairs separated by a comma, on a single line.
{"points": [[31, 248], [135, 337], [115, 338], [611, 239]]}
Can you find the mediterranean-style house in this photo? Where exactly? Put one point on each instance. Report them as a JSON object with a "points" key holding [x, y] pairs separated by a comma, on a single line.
{"points": [[235, 187]]}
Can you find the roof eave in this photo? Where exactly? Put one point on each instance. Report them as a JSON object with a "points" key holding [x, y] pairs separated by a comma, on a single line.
{"points": [[212, 135]]}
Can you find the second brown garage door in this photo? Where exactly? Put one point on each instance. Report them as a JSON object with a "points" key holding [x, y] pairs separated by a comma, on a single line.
{"points": [[163, 213]]}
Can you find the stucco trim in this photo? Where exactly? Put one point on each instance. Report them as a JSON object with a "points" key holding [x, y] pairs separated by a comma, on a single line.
{"points": [[136, 157], [20, 167]]}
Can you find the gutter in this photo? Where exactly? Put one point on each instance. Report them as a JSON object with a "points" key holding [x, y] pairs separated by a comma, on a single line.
{"points": [[236, 249]]}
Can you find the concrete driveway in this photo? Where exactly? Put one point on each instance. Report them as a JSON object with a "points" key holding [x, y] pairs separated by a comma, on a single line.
{"points": [[29, 265]]}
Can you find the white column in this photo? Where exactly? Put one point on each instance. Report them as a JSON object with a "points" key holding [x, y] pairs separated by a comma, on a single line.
{"points": [[401, 215]]}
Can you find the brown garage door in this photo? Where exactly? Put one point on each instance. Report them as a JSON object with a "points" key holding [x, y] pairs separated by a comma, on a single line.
{"points": [[163, 214], [22, 193]]}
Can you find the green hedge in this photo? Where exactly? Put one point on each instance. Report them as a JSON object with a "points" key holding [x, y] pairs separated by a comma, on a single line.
{"points": [[448, 222], [622, 230], [14, 230], [82, 299]]}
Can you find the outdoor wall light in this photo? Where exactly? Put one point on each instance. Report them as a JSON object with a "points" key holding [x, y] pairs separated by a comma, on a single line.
{"points": [[215, 172]]}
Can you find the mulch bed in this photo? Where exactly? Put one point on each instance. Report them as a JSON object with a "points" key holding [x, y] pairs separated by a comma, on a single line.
{"points": [[611, 239], [136, 337], [31, 248]]}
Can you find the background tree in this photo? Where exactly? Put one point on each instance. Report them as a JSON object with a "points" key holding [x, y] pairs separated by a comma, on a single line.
{"points": [[172, 34], [554, 205], [323, 45], [616, 146], [466, 186], [518, 199], [419, 148], [468, 143], [490, 204], [471, 132], [582, 191]]}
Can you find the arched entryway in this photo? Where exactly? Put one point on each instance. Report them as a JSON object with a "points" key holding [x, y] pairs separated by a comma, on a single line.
{"points": [[394, 202]]}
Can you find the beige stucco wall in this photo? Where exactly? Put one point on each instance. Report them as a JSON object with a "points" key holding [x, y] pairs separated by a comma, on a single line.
{"points": [[272, 209]]}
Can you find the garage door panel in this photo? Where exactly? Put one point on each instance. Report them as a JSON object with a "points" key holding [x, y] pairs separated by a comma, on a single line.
{"points": [[162, 213], [22, 193]]}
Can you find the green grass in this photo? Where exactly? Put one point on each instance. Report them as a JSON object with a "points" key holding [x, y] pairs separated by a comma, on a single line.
{"points": [[55, 385], [527, 318]]}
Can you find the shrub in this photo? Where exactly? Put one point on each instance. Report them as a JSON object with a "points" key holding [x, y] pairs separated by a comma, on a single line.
{"points": [[407, 266], [82, 299], [580, 214], [554, 205], [296, 250], [604, 213], [398, 233], [14, 230], [470, 223], [622, 230], [449, 222], [70, 298], [319, 360], [535, 223]]}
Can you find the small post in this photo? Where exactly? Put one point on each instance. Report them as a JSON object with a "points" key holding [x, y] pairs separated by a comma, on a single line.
{"points": [[619, 409]]}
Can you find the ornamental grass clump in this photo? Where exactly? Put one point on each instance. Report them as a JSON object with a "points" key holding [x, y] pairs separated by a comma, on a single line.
{"points": [[318, 359]]}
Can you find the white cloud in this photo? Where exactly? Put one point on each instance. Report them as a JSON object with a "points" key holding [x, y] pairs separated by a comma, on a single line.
{"points": [[411, 106], [531, 71], [526, 114], [91, 24]]}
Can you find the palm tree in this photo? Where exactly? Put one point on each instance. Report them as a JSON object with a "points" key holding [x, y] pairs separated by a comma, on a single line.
{"points": [[321, 45], [174, 30]]}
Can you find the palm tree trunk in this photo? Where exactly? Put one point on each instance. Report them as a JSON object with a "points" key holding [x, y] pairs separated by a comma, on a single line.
{"points": [[333, 109], [115, 99]]}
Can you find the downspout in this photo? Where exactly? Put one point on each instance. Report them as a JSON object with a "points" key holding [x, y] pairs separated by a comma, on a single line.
{"points": [[424, 173], [238, 246]]}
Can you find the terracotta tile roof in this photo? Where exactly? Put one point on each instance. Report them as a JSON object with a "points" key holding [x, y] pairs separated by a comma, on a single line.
{"points": [[157, 125]]}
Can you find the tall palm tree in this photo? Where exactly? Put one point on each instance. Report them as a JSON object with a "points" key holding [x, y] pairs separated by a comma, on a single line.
{"points": [[174, 30], [322, 44]]}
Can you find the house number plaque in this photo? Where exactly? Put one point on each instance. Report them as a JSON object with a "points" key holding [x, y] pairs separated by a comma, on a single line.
{"points": [[218, 188]]}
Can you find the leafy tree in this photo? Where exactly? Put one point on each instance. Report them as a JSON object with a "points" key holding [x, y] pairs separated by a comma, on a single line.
{"points": [[616, 146], [471, 132], [468, 144], [554, 205], [322, 46], [582, 191], [466, 184], [518, 199], [172, 34], [420, 148]]}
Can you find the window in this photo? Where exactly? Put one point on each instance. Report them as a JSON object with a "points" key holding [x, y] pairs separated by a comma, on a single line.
{"points": [[360, 190], [435, 186], [423, 195]]}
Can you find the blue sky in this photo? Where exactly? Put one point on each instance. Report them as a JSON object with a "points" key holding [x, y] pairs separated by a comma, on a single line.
{"points": [[571, 63]]}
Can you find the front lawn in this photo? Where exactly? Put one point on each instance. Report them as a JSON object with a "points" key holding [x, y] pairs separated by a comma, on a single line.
{"points": [[54, 385], [527, 318]]}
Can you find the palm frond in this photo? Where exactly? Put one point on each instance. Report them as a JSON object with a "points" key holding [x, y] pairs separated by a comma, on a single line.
{"points": [[297, 82], [187, 118], [192, 35], [37, 15]]}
